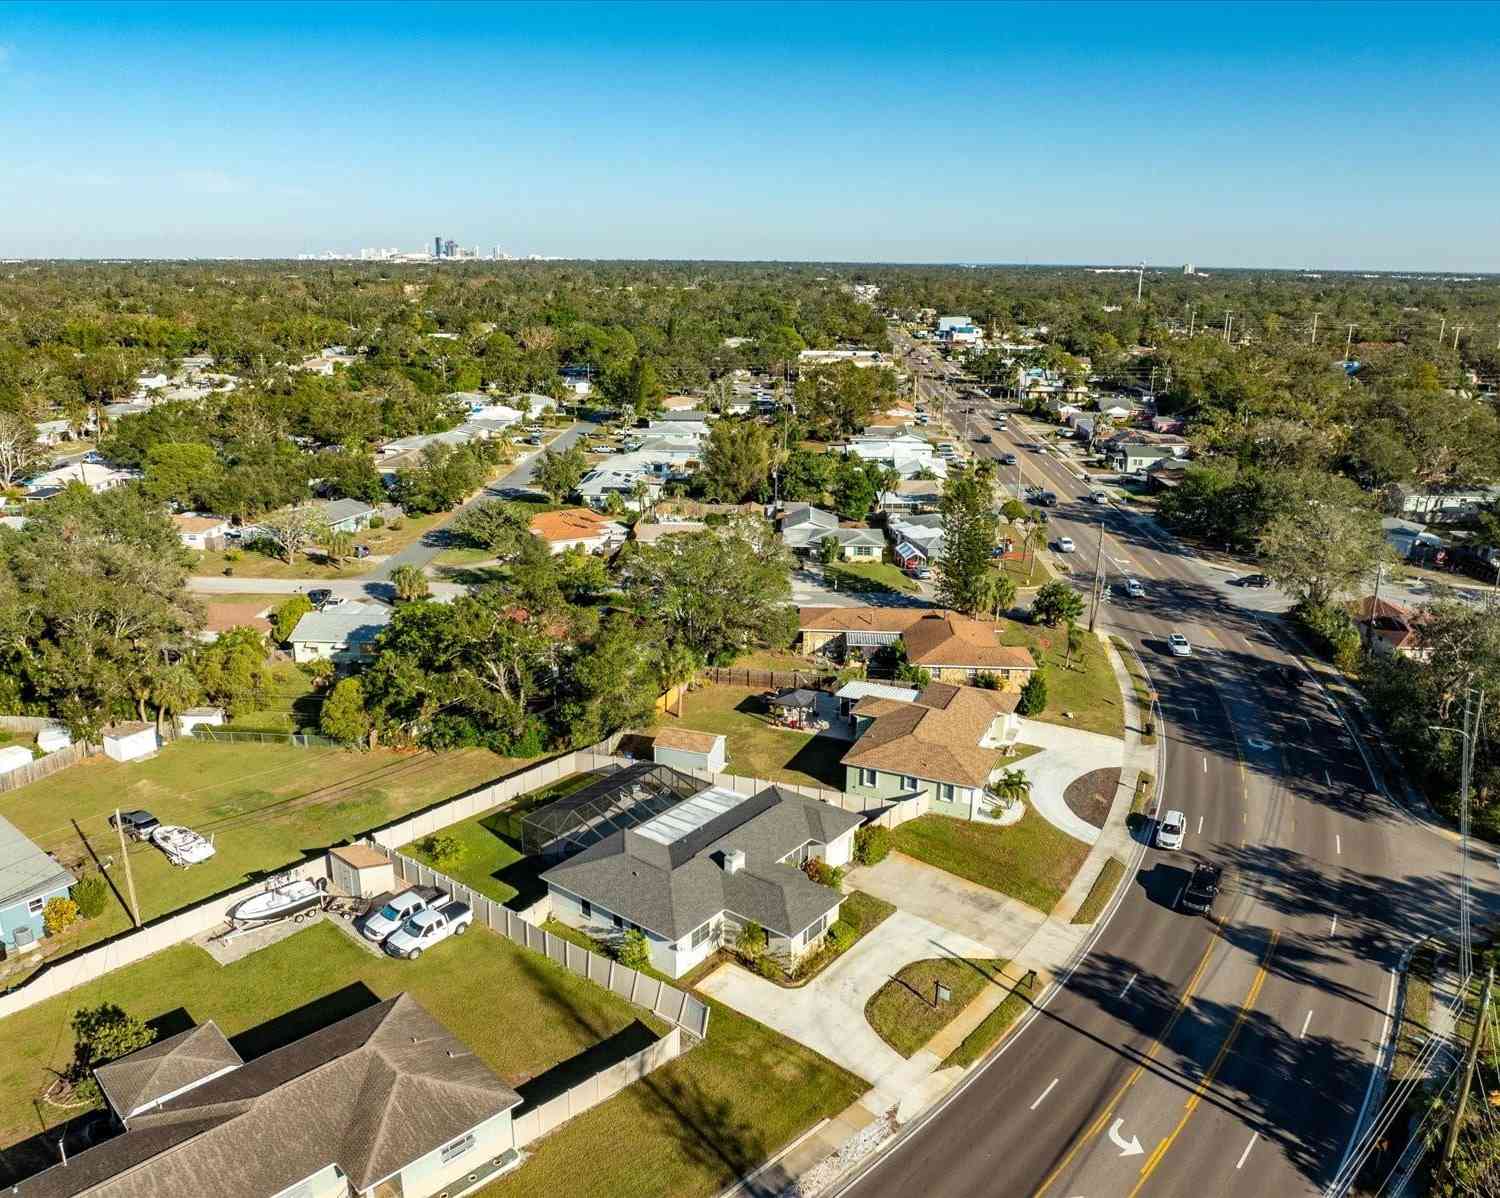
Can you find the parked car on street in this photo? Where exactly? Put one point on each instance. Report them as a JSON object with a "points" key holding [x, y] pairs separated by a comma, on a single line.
{"points": [[318, 596], [1171, 830], [1179, 645], [1198, 895], [433, 926], [138, 825]]}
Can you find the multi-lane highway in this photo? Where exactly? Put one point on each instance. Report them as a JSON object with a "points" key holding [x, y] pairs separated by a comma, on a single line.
{"points": [[1186, 1055]]}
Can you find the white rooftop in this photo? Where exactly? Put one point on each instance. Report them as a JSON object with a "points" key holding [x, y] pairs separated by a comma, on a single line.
{"points": [[876, 690], [689, 815]]}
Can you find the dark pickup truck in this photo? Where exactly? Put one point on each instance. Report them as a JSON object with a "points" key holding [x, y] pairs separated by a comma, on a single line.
{"points": [[1198, 895]]}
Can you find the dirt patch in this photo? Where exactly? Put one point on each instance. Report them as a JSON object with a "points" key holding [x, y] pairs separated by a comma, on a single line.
{"points": [[1090, 796]]}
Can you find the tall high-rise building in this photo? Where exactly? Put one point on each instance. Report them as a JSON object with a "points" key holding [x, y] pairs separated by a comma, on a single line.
{"points": [[450, 249], [437, 246]]}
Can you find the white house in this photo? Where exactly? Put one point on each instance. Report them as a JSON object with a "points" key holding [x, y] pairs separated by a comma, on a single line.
{"points": [[907, 453], [201, 532], [577, 528], [343, 634], [95, 477]]}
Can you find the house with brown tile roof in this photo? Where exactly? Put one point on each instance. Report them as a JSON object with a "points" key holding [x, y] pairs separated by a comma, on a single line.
{"points": [[386, 1101], [577, 528], [949, 646], [948, 744], [1388, 628], [219, 618]]}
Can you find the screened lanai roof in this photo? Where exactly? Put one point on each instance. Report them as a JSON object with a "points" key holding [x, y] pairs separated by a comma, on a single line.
{"points": [[624, 799]]}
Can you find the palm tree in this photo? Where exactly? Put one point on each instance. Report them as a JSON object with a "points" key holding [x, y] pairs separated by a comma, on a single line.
{"points": [[1007, 790], [639, 492], [410, 583], [1075, 643], [338, 546], [678, 666]]}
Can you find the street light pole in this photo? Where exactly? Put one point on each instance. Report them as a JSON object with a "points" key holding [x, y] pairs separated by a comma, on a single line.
{"points": [[1098, 566]]}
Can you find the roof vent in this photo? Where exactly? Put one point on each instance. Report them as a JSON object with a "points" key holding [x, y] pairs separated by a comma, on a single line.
{"points": [[734, 860]]}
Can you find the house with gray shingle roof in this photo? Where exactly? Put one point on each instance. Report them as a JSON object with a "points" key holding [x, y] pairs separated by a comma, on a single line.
{"points": [[29, 879], [386, 1101], [344, 634], [692, 876]]}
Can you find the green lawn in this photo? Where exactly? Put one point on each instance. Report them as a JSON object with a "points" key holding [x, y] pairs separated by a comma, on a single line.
{"points": [[988, 1033], [862, 577], [1087, 688], [490, 859], [520, 1013], [266, 806], [1140, 683], [756, 747], [292, 706], [1030, 860], [1100, 892], [902, 1011]]}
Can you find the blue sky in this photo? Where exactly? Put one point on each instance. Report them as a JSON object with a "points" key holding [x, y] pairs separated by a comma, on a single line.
{"points": [[1339, 136]]}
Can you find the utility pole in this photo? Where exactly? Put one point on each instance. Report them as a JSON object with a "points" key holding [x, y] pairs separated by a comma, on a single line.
{"points": [[1229, 331], [1192, 319], [1442, 329], [1314, 340], [1458, 328], [1374, 606], [1098, 566], [1140, 279], [1450, 1142], [135, 910], [1349, 342]]}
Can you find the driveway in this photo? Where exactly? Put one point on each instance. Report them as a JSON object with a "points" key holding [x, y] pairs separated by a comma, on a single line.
{"points": [[828, 1014], [1067, 754], [965, 908], [346, 588]]}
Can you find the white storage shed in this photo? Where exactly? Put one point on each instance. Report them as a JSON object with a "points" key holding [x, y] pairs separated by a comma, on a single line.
{"points": [[130, 741], [52, 738], [193, 716], [684, 749], [13, 757], [360, 871]]}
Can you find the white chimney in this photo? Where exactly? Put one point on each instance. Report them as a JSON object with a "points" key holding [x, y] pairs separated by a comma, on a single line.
{"points": [[734, 860]]}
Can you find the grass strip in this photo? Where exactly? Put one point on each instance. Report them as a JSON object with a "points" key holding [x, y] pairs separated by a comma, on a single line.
{"points": [[1099, 893], [1141, 685], [1145, 787], [989, 1032]]}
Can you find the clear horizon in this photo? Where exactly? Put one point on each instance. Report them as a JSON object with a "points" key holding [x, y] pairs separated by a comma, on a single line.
{"points": [[1231, 136]]}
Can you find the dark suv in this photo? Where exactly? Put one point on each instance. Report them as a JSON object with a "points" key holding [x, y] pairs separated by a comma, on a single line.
{"points": [[138, 825], [1199, 894]]}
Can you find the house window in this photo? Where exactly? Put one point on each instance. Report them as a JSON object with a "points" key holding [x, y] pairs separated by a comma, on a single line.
{"points": [[617, 921], [867, 777], [35, 906], [945, 792], [815, 931], [451, 1152], [586, 908], [702, 933], [908, 783]]}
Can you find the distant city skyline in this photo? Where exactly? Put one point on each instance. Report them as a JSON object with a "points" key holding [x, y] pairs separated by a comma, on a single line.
{"points": [[1273, 136]]}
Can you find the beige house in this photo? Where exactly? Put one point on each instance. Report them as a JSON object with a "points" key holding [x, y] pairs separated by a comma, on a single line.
{"points": [[950, 647], [949, 743]]}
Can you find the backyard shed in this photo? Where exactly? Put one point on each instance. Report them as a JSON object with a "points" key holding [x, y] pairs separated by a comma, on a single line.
{"points": [[130, 741], [13, 757], [213, 717], [684, 749], [52, 738], [361, 871], [29, 879]]}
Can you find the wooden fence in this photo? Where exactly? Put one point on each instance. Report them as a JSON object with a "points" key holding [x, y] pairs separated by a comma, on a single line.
{"points": [[770, 679], [674, 1005], [44, 766]]}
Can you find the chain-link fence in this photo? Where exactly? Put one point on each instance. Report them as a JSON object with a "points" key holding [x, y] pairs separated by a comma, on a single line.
{"points": [[235, 736]]}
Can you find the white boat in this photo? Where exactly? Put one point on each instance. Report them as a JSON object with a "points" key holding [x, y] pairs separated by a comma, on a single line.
{"points": [[182, 845], [279, 902]]}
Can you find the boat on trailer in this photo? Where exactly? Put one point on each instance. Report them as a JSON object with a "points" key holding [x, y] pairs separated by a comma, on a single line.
{"points": [[284, 900], [182, 845]]}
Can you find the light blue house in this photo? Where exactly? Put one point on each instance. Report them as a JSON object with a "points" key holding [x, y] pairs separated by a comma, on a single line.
{"points": [[28, 879]]}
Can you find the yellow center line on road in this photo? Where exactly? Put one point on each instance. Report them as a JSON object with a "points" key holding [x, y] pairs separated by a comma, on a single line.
{"points": [[1208, 1078], [1102, 1121]]}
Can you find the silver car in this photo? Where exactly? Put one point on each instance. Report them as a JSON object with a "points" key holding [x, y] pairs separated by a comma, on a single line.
{"points": [[1171, 830]]}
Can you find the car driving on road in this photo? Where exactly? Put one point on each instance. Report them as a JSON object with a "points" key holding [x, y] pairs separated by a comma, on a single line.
{"points": [[1008, 459], [1065, 545], [1133, 588], [1259, 581], [1179, 645], [1197, 897], [1170, 831]]}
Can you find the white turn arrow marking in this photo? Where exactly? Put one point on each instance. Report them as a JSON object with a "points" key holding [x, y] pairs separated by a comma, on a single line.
{"points": [[1130, 1147]]}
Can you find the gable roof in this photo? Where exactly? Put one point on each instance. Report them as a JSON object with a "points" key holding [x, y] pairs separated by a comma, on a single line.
{"points": [[336, 510], [371, 1093], [949, 639], [936, 737], [25, 870], [686, 740], [192, 522], [671, 888], [805, 514]]}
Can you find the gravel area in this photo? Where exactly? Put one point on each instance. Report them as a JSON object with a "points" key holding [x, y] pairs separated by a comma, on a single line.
{"points": [[1090, 795]]}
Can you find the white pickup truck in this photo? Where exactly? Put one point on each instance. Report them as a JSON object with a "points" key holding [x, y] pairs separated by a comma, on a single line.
{"points": [[423, 930], [398, 909]]}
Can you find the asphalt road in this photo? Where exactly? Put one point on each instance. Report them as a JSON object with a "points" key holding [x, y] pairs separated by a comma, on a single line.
{"points": [[421, 553], [1183, 1055]]}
